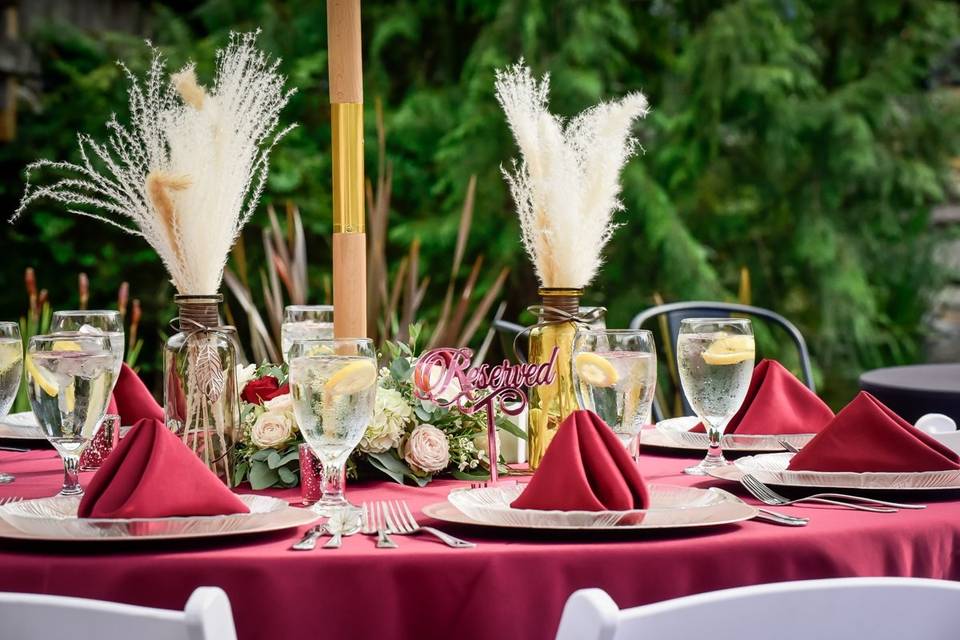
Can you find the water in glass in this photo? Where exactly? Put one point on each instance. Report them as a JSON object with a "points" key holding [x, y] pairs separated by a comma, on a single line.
{"points": [[715, 359]]}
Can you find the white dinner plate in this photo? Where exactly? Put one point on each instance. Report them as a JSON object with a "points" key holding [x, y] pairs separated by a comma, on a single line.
{"points": [[674, 433], [671, 507], [55, 519], [21, 426], [771, 468]]}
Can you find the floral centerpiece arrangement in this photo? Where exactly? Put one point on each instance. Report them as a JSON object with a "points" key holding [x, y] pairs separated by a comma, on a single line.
{"points": [[409, 439], [566, 187], [185, 172]]}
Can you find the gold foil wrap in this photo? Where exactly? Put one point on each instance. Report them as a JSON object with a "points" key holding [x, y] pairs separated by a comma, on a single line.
{"points": [[347, 121]]}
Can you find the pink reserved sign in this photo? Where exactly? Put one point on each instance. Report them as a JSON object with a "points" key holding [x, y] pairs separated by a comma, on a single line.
{"points": [[440, 371]]}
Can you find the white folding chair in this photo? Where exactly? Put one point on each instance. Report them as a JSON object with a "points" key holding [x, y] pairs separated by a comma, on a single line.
{"points": [[840, 609], [28, 616]]}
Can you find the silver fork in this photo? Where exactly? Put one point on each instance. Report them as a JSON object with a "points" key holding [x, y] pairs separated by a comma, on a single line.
{"points": [[407, 524], [767, 495], [844, 496], [374, 525]]}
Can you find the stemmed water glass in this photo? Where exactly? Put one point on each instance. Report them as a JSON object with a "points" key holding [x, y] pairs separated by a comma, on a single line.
{"points": [[69, 378], [615, 375], [11, 368], [334, 386], [103, 321], [305, 322], [715, 358]]}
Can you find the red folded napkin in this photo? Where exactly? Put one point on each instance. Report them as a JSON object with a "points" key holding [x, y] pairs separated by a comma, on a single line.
{"points": [[867, 436], [777, 403], [586, 468], [131, 399], [152, 474]]}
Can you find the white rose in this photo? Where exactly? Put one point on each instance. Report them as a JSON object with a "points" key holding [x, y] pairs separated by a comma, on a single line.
{"points": [[271, 430], [427, 449], [451, 391], [279, 404], [391, 414], [245, 374]]}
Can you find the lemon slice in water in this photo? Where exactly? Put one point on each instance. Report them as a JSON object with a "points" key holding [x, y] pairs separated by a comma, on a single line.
{"points": [[40, 378], [595, 370], [65, 345], [730, 350], [353, 378], [10, 355]]}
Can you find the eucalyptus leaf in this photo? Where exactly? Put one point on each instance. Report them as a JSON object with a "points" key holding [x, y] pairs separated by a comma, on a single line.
{"points": [[262, 476], [290, 455], [274, 460], [379, 465], [287, 477], [400, 369], [423, 414], [261, 456]]}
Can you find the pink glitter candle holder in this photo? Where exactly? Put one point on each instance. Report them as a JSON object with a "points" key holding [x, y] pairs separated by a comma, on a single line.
{"points": [[311, 476], [103, 443]]}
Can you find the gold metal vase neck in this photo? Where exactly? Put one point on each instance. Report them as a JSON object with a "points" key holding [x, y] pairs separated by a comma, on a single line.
{"points": [[566, 300]]}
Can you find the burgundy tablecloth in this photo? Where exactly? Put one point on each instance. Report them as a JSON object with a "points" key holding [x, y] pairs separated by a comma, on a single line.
{"points": [[508, 587]]}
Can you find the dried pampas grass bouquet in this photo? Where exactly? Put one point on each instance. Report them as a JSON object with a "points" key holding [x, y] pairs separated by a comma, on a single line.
{"points": [[188, 170], [566, 182]]}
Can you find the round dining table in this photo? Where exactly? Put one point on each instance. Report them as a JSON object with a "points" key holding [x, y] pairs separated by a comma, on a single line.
{"points": [[915, 390], [511, 585]]}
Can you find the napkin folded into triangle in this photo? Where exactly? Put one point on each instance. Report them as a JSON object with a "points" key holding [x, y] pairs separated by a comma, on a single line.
{"points": [[866, 436], [131, 399], [586, 468], [152, 474], [777, 403]]}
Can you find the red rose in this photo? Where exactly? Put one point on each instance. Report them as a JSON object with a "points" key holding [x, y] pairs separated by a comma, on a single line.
{"points": [[266, 388]]}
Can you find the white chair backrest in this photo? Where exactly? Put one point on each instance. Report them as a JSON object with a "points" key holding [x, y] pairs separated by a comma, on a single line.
{"points": [[27, 616], [840, 609]]}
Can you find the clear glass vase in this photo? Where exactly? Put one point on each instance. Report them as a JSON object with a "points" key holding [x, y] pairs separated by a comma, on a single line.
{"points": [[551, 404], [201, 400]]}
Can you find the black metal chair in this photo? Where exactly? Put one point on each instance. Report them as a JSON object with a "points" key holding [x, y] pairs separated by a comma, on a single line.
{"points": [[507, 332], [675, 312]]}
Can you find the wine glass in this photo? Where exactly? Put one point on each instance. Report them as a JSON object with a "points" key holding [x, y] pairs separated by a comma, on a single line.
{"points": [[11, 368], [334, 385], [615, 375], [69, 378], [305, 322], [106, 322], [715, 358]]}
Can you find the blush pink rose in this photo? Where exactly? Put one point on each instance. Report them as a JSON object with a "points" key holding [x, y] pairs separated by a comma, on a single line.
{"points": [[427, 449]]}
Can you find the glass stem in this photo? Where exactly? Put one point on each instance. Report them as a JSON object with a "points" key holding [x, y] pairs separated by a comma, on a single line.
{"points": [[332, 482], [714, 451], [71, 476]]}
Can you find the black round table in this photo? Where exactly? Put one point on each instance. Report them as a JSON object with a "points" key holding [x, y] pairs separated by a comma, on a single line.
{"points": [[918, 389]]}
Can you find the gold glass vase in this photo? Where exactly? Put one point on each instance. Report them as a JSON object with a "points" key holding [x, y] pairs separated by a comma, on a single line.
{"points": [[551, 404]]}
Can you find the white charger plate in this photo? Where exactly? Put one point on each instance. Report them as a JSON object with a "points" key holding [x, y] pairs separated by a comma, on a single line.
{"points": [[771, 468], [674, 433], [55, 519], [672, 507], [21, 426]]}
